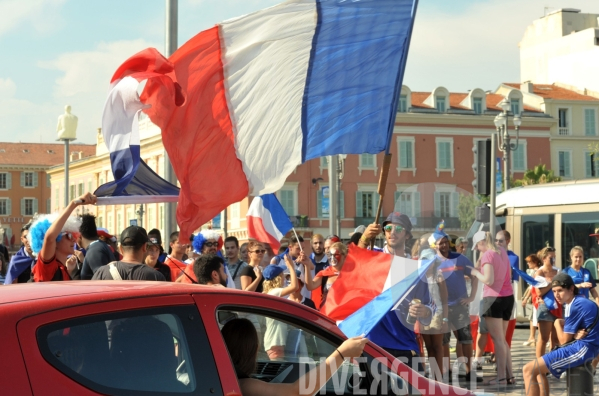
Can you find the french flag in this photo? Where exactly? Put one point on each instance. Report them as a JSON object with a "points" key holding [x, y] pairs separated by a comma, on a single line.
{"points": [[369, 286], [267, 220], [265, 92]]}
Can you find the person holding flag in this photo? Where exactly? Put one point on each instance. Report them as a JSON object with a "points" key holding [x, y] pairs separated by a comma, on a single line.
{"points": [[324, 279]]}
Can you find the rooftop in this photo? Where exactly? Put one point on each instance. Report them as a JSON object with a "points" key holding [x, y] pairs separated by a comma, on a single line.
{"points": [[455, 98], [553, 91], [40, 154]]}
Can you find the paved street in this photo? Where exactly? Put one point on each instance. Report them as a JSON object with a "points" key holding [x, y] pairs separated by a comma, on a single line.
{"points": [[520, 356]]}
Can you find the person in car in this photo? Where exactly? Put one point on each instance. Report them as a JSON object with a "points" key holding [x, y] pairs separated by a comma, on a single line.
{"points": [[242, 342]]}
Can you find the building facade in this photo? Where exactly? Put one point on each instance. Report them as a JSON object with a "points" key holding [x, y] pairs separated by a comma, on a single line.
{"points": [[431, 167], [25, 183], [562, 46]]}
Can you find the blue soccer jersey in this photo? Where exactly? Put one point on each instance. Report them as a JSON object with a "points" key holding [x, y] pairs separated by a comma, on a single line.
{"points": [[584, 275]]}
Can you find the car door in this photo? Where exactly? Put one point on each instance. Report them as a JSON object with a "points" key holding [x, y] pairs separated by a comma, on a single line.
{"points": [[128, 347]]}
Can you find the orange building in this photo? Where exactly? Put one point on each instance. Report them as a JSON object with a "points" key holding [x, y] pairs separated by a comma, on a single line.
{"points": [[24, 183]]}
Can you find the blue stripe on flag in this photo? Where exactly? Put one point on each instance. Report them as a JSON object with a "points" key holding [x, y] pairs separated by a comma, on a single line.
{"points": [[352, 78], [366, 318], [548, 298], [124, 165], [529, 279], [278, 214]]}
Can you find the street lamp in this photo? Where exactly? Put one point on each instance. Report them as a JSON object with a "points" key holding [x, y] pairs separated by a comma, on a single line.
{"points": [[67, 132], [501, 123]]}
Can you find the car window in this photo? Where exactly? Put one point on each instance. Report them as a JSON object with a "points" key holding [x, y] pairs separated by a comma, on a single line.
{"points": [[134, 352], [289, 349]]}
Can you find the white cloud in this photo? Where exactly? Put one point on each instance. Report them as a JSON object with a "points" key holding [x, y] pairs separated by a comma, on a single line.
{"points": [[40, 14], [8, 88], [475, 48]]}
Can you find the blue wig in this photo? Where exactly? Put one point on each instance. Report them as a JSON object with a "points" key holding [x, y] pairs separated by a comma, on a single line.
{"points": [[37, 232], [198, 243]]}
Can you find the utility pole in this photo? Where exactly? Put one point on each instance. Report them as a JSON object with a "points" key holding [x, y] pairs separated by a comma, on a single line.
{"points": [[172, 27], [493, 192], [333, 193]]}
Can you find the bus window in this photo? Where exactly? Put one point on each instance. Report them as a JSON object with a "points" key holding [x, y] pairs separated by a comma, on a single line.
{"points": [[576, 228], [537, 232]]}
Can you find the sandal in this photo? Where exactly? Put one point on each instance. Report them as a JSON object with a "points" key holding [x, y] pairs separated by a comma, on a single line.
{"points": [[511, 381]]}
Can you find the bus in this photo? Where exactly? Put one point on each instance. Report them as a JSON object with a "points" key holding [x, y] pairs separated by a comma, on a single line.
{"points": [[561, 215]]}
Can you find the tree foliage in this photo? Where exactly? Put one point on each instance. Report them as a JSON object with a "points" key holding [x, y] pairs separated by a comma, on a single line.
{"points": [[466, 209], [538, 175]]}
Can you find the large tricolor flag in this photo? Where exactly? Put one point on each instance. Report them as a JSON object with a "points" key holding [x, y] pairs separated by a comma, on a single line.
{"points": [[267, 221], [370, 285], [267, 91]]}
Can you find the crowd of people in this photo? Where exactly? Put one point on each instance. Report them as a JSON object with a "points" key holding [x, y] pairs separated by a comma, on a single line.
{"points": [[470, 300]]}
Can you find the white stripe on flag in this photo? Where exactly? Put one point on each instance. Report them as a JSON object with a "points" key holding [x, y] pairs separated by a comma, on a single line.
{"points": [[264, 53]]}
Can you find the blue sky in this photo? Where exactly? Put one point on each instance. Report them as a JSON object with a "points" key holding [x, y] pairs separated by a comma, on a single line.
{"points": [[58, 52]]}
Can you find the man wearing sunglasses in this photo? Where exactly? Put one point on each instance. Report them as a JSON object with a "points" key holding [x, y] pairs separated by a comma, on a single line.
{"points": [[397, 229]]}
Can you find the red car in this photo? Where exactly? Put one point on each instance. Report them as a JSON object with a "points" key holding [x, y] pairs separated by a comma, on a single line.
{"points": [[142, 338]]}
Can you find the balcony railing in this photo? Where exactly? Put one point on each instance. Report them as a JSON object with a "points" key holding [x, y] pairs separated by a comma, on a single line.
{"points": [[564, 131]]}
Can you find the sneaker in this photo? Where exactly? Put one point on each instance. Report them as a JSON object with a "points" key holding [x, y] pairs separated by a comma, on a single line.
{"points": [[477, 365], [452, 350], [564, 374], [529, 343]]}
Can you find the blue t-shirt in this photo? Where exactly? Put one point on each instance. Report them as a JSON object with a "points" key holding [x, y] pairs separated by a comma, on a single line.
{"points": [[584, 275], [515, 263], [391, 332], [580, 314], [453, 271]]}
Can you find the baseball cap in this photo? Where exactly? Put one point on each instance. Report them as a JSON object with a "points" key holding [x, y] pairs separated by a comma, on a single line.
{"points": [[479, 236], [152, 241], [272, 271], [399, 218], [596, 234], [359, 229], [134, 236], [155, 233], [103, 232], [563, 280]]}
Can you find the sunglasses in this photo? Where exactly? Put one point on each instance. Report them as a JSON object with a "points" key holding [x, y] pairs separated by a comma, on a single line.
{"points": [[389, 228], [258, 251], [211, 244], [69, 236], [500, 240]]}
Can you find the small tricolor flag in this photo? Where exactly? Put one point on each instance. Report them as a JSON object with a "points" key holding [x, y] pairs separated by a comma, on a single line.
{"points": [[267, 220]]}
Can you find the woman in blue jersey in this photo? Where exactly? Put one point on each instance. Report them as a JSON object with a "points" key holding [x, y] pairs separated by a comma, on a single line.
{"points": [[578, 330], [581, 276]]}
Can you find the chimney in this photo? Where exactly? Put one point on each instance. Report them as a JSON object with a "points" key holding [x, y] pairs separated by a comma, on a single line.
{"points": [[527, 87]]}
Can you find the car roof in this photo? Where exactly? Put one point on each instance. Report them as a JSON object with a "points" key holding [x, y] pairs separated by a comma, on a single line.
{"points": [[112, 289]]}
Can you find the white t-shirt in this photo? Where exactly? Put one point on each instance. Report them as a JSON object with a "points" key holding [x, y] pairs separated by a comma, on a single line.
{"points": [[276, 331]]}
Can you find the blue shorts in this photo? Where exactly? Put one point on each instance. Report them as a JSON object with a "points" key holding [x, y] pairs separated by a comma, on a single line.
{"points": [[572, 355]]}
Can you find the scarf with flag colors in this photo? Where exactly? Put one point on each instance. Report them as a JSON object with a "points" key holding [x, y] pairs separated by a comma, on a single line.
{"points": [[548, 299], [249, 100], [370, 285], [267, 221]]}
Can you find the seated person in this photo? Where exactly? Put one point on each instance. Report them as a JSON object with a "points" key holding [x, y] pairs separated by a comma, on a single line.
{"points": [[578, 329], [242, 342]]}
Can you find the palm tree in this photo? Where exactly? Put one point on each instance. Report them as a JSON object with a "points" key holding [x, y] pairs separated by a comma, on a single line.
{"points": [[538, 175]]}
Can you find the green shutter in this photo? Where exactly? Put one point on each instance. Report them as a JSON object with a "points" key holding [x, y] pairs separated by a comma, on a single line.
{"points": [[589, 122], [437, 204], [8, 180], [22, 206], [567, 164], [410, 160], [396, 205], [8, 207], [455, 198], [35, 176], [48, 205], [416, 198], [319, 203], [22, 179], [35, 206], [359, 212], [403, 155]]}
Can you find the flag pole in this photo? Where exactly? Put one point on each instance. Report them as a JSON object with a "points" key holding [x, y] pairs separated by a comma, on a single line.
{"points": [[387, 158], [298, 241]]}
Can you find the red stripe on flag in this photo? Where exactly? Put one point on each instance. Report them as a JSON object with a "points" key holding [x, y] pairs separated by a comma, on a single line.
{"points": [[257, 231], [361, 279], [198, 135]]}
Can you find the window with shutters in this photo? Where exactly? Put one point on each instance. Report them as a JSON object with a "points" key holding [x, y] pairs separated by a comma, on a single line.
{"points": [[591, 165], [28, 179], [366, 203], [446, 203], [403, 104], [440, 104], [445, 155], [72, 192], [319, 212], [477, 105], [590, 122], [287, 198], [4, 181], [408, 202], [515, 106], [406, 160], [519, 157], [28, 206], [565, 163], [4, 207], [80, 190], [48, 205], [367, 162]]}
